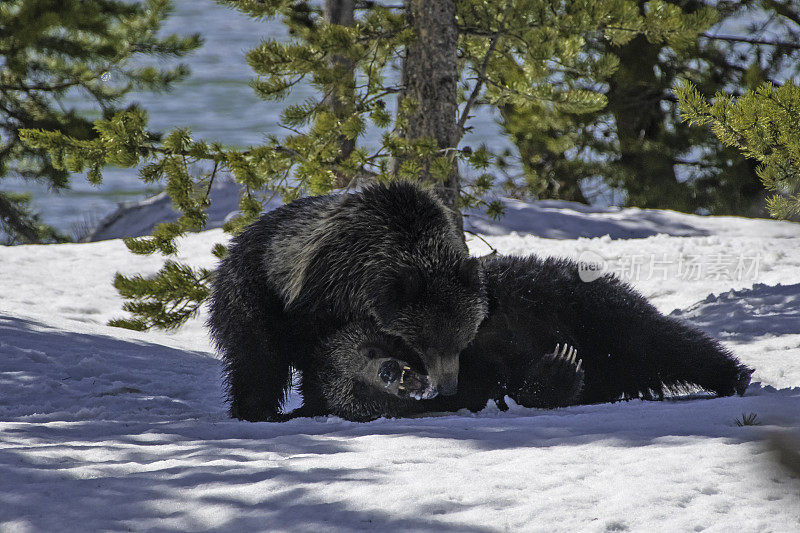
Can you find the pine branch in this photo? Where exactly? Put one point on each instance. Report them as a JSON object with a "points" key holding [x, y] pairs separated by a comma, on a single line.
{"points": [[146, 149], [748, 40], [48, 48], [17, 222], [39, 87], [686, 162]]}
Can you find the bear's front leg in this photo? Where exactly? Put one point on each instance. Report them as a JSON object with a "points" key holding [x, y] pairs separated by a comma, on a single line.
{"points": [[555, 380]]}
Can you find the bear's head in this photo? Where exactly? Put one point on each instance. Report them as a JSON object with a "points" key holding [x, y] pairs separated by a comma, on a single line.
{"points": [[436, 310]]}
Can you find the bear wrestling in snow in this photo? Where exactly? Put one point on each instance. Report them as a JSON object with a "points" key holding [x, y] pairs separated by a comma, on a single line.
{"points": [[372, 297], [610, 344], [390, 254], [363, 374]]}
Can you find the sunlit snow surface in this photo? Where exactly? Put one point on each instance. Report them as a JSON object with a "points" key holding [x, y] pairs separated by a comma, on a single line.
{"points": [[105, 429]]}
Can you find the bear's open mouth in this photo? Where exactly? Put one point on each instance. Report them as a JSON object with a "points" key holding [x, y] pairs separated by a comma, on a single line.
{"points": [[416, 385]]}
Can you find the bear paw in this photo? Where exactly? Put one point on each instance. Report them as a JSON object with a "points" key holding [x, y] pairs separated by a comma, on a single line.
{"points": [[737, 383], [555, 380]]}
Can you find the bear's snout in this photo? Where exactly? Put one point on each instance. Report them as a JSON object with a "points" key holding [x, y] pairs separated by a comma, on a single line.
{"points": [[442, 372], [449, 387]]}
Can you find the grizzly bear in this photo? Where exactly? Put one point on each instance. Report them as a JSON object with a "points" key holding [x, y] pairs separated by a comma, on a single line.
{"points": [[388, 253]]}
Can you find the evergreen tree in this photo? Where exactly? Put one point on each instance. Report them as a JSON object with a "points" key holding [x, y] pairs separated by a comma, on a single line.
{"points": [[52, 49], [762, 124], [366, 123], [637, 144]]}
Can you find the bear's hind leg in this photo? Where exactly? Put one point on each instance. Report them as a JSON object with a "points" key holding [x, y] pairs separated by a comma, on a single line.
{"points": [[662, 354], [638, 352], [689, 356]]}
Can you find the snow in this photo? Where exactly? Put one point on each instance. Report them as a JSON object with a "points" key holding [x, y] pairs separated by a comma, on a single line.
{"points": [[108, 429], [553, 219]]}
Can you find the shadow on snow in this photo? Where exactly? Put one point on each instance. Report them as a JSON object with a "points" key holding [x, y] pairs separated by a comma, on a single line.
{"points": [[744, 315], [94, 422]]}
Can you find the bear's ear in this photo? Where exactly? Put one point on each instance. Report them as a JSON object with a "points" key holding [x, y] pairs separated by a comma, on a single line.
{"points": [[468, 273]]}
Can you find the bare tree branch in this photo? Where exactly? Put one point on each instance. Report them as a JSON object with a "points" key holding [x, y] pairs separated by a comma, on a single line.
{"points": [[481, 74]]}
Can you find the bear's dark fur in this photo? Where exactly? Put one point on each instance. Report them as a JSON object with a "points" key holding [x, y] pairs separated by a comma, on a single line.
{"points": [[352, 369], [625, 349], [347, 373], [628, 348], [389, 253]]}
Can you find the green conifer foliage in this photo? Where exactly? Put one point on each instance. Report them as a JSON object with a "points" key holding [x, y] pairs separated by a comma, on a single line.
{"points": [[525, 53], [637, 144], [50, 49], [763, 125]]}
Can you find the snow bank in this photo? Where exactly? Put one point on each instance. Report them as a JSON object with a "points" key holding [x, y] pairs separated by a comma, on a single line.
{"points": [[552, 219], [106, 429]]}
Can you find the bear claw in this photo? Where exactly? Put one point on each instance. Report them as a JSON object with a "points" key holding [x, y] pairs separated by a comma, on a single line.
{"points": [[568, 353]]}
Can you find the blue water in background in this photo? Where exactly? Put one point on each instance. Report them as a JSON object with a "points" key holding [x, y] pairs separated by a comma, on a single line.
{"points": [[215, 102]]}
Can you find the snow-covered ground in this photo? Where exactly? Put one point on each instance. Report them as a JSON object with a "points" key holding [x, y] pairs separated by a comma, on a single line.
{"points": [[106, 429]]}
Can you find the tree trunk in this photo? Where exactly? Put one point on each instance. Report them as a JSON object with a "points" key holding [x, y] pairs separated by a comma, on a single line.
{"points": [[634, 99], [342, 12], [430, 78]]}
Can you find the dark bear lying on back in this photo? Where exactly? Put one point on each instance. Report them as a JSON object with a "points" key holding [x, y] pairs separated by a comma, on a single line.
{"points": [[628, 348], [390, 254], [625, 349]]}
